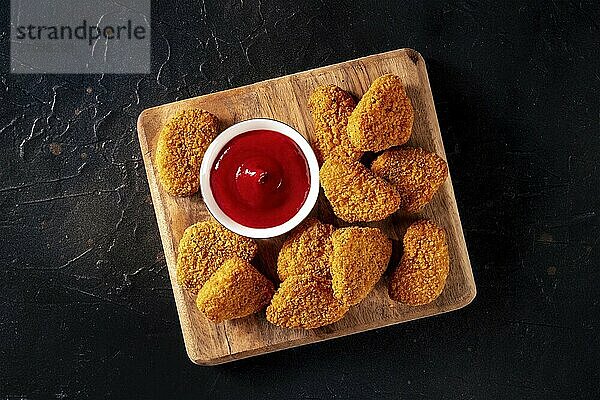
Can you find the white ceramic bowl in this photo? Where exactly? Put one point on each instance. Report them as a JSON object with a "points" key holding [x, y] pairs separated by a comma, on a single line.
{"points": [[213, 152]]}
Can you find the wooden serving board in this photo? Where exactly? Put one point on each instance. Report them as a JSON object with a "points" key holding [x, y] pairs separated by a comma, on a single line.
{"points": [[285, 99]]}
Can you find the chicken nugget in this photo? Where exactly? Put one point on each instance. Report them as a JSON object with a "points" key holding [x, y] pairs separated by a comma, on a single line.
{"points": [[330, 107], [235, 290], [204, 247], [355, 193], [306, 251], [180, 148], [359, 259], [416, 174], [305, 301], [383, 117], [421, 275]]}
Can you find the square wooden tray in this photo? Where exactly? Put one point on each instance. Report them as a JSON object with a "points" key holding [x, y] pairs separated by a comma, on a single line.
{"points": [[285, 99]]}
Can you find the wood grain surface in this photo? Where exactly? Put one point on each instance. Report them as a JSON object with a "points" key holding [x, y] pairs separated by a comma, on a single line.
{"points": [[285, 99]]}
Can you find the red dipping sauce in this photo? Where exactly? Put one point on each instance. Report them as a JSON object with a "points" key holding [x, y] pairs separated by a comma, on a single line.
{"points": [[260, 179]]}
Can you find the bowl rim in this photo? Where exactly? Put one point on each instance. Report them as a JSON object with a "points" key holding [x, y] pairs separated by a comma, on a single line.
{"points": [[219, 143]]}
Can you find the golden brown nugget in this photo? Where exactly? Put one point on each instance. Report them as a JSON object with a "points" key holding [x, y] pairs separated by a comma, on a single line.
{"points": [[383, 117], [306, 251], [305, 301], [360, 257], [421, 275], [204, 247], [355, 193], [180, 148], [416, 174], [330, 107], [236, 290]]}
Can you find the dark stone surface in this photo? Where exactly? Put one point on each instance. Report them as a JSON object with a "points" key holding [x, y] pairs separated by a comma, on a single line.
{"points": [[86, 309]]}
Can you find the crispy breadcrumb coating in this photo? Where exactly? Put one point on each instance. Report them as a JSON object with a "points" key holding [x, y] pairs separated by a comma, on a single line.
{"points": [[235, 290], [421, 275], [330, 107], [204, 247], [416, 174], [305, 301], [180, 148], [360, 257], [355, 193], [306, 251], [383, 117]]}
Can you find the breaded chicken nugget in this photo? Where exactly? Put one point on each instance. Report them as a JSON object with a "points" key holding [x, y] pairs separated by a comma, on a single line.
{"points": [[306, 251], [383, 117], [421, 275], [355, 193], [305, 301], [360, 257], [416, 174], [330, 107], [180, 148], [204, 247], [235, 290]]}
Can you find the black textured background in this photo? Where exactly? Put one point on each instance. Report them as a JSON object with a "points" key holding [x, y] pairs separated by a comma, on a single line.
{"points": [[86, 309]]}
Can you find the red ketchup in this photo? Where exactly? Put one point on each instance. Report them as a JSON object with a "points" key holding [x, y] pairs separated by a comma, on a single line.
{"points": [[260, 179]]}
